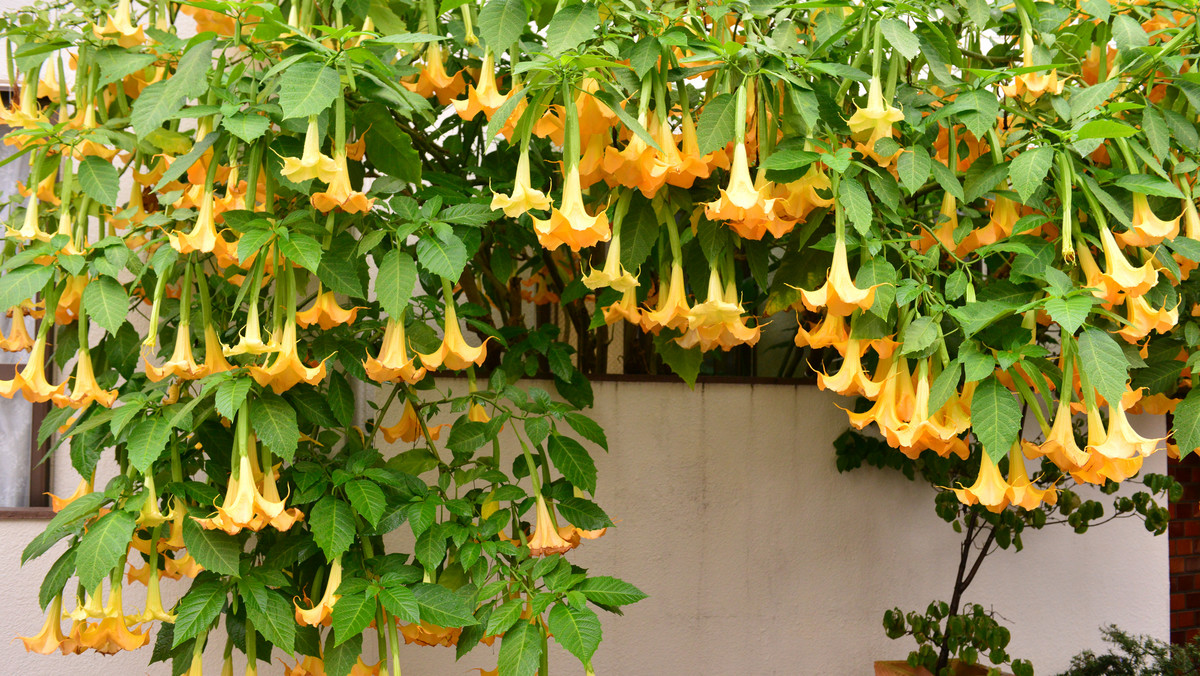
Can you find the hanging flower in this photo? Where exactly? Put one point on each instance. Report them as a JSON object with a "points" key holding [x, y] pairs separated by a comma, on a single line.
{"points": [[18, 339], [741, 200], [121, 28], [181, 363], [1021, 491], [1143, 319], [286, 370], [1120, 277], [1031, 86], [433, 80], [426, 634], [545, 539], [203, 237], [570, 223], [322, 610], [85, 389], [454, 353], [673, 309], [989, 489], [525, 197], [485, 99], [838, 295], [850, 379], [830, 332], [1148, 229], [50, 638], [869, 125], [326, 313], [408, 428], [339, 194], [394, 363], [312, 164], [31, 380]]}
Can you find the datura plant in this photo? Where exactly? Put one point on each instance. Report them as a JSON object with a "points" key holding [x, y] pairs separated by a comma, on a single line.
{"points": [[239, 217]]}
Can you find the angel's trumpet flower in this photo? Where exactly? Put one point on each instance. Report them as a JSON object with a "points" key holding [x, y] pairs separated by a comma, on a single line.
{"points": [[339, 194], [524, 197], [485, 99], [850, 378], [545, 539], [1120, 276], [181, 364], [570, 223], [394, 362], [85, 389], [326, 313], [322, 610], [874, 122], [31, 380], [990, 489], [409, 428], [50, 638], [18, 339], [121, 28], [1031, 86], [1148, 229], [741, 200], [433, 80], [286, 370], [673, 309], [312, 163], [1120, 440], [203, 237], [1060, 445], [838, 295], [1021, 491], [1143, 319], [454, 353]]}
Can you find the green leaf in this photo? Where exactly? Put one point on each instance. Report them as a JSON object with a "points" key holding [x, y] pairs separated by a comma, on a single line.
{"points": [[275, 622], [1028, 171], [275, 424], [1070, 312], [23, 283], [1157, 134], [56, 578], [504, 616], [587, 428], [190, 78], [341, 655], [389, 149], [1128, 33], [198, 610], [442, 607], [995, 417], [103, 547], [147, 440], [301, 249], [853, 198], [442, 258], [716, 127], [246, 126], [106, 302], [919, 335], [685, 363], [1146, 184], [901, 37], [644, 55], [213, 549], [573, 461], [332, 523], [367, 499], [639, 232], [1103, 363], [179, 167], [520, 650], [609, 591], [571, 26], [116, 63], [395, 281], [913, 168], [1105, 129], [1187, 424], [351, 615], [230, 396], [466, 437], [99, 179], [576, 629], [430, 548], [399, 601], [153, 107], [944, 386], [1087, 100], [583, 513], [307, 88], [501, 23]]}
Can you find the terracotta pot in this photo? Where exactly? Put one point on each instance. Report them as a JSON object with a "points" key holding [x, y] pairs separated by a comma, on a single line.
{"points": [[901, 668]]}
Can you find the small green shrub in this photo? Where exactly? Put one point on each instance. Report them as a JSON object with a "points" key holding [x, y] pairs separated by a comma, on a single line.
{"points": [[1137, 656]]}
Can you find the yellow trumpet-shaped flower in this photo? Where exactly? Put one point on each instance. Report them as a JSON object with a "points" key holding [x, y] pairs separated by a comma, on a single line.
{"points": [[1120, 277], [990, 489], [31, 228], [635, 165], [426, 634], [943, 232], [673, 309], [486, 98], [322, 610], [850, 379], [1021, 491], [251, 341], [326, 313], [57, 503], [570, 223], [1120, 441], [394, 362], [838, 295], [339, 194], [314, 666], [613, 274], [626, 308], [203, 236], [1031, 86], [18, 339], [214, 353], [286, 370], [50, 638], [112, 634], [545, 539], [1148, 229], [830, 332], [798, 198], [408, 428], [718, 321], [869, 125], [524, 197], [893, 406], [1143, 319], [312, 163], [31, 380], [433, 80], [454, 353], [181, 364], [741, 200], [1060, 445], [67, 309], [237, 510], [85, 389], [121, 28]]}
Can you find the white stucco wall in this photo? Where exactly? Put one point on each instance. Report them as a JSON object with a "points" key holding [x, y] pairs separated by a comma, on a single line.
{"points": [[758, 556]]}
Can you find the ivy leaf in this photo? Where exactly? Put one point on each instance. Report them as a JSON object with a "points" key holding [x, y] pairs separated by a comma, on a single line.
{"points": [[332, 523], [147, 440], [571, 26], [444, 258], [576, 629], [996, 417], [610, 591], [1103, 362], [442, 607], [103, 547], [275, 424], [395, 282], [106, 302], [197, 610], [901, 37], [716, 129], [99, 179], [307, 89], [1028, 171], [367, 499], [351, 615], [520, 650], [573, 460], [501, 23], [214, 550]]}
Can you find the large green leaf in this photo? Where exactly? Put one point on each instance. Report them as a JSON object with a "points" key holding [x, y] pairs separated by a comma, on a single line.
{"points": [[100, 180], [147, 440], [576, 629], [212, 549], [367, 499], [332, 523], [573, 460], [152, 107], [103, 547], [399, 601], [1187, 424], [388, 148], [442, 607], [610, 591], [198, 610], [716, 127], [520, 650], [501, 22], [444, 258], [901, 37], [995, 417], [395, 282], [571, 26], [23, 283], [1103, 363], [275, 621], [106, 302], [351, 615], [307, 88], [1029, 170], [275, 424]]}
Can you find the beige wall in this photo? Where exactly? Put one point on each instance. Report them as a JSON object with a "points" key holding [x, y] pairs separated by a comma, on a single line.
{"points": [[758, 556]]}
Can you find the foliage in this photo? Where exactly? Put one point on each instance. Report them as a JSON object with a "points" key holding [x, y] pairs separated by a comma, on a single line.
{"points": [[1136, 656]]}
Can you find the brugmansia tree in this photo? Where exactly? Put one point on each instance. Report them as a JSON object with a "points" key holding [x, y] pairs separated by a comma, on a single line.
{"points": [[973, 210]]}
